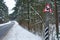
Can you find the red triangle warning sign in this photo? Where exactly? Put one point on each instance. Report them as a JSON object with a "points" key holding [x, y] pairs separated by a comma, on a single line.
{"points": [[47, 8]]}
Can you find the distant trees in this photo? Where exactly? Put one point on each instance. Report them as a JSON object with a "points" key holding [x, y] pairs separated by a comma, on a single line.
{"points": [[30, 14]]}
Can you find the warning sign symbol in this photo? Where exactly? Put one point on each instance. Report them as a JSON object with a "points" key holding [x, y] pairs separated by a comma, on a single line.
{"points": [[47, 8]]}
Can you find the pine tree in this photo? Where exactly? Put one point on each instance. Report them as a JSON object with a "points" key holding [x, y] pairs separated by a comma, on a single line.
{"points": [[3, 12]]}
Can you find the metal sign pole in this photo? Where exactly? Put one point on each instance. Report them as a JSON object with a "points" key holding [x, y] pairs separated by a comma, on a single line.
{"points": [[47, 26]]}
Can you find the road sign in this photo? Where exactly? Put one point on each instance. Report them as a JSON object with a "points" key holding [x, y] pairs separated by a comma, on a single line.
{"points": [[47, 8]]}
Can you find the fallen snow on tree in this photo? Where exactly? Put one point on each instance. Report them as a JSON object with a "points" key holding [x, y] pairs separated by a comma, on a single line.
{"points": [[19, 33]]}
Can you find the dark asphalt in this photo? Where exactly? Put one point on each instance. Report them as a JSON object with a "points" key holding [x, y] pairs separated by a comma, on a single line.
{"points": [[4, 29]]}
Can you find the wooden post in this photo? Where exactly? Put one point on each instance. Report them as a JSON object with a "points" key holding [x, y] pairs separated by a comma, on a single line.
{"points": [[56, 16]]}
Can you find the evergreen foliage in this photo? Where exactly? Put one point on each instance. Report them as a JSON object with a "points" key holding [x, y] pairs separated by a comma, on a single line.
{"points": [[3, 12]]}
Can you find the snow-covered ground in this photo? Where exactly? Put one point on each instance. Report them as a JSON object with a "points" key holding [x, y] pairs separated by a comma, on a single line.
{"points": [[19, 33], [5, 23], [52, 32]]}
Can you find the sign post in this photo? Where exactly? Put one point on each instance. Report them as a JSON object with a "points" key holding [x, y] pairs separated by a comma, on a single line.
{"points": [[47, 26], [47, 10]]}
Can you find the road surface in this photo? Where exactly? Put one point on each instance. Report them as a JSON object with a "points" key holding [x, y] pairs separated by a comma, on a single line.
{"points": [[4, 29]]}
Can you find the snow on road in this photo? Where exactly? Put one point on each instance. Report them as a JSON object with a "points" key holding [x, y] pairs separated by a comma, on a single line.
{"points": [[5, 23], [19, 33]]}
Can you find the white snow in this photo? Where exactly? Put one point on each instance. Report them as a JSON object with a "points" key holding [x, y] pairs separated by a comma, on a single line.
{"points": [[19, 33], [5, 23], [53, 32]]}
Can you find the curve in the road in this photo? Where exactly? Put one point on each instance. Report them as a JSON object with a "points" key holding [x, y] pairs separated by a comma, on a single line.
{"points": [[5, 28]]}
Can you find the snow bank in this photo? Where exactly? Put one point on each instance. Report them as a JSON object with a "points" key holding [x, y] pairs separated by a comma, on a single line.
{"points": [[5, 23], [19, 33]]}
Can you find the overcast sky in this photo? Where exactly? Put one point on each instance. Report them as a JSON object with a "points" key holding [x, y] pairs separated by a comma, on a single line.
{"points": [[10, 4]]}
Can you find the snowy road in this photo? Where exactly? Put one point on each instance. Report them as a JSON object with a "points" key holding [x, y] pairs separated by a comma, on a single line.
{"points": [[13, 31], [4, 29]]}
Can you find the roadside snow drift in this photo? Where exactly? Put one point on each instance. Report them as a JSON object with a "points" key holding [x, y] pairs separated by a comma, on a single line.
{"points": [[19, 33]]}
